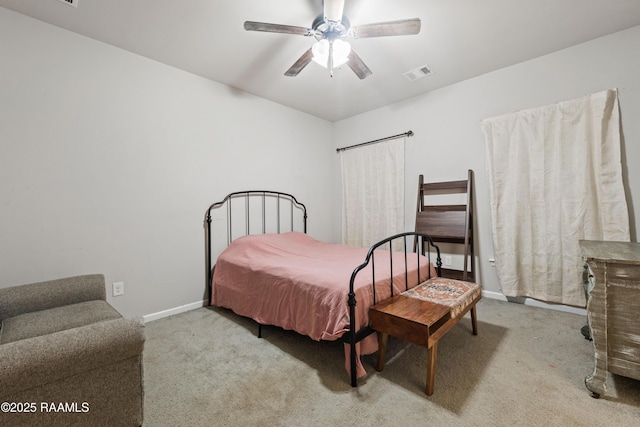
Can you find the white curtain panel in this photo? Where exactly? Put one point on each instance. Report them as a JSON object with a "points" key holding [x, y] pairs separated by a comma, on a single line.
{"points": [[372, 192], [555, 177]]}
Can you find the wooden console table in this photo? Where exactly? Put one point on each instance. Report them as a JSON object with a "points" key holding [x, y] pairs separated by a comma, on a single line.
{"points": [[612, 310]]}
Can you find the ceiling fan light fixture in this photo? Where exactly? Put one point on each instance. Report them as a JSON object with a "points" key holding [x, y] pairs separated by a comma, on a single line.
{"points": [[320, 50], [323, 48]]}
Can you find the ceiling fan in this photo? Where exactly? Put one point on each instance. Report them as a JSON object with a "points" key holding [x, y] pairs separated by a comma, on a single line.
{"points": [[331, 29]]}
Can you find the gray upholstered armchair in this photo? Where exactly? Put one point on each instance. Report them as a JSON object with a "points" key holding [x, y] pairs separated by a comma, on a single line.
{"points": [[67, 357]]}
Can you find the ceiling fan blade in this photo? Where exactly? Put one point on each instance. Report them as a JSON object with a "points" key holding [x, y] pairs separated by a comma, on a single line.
{"points": [[302, 62], [278, 28], [333, 10], [358, 66], [402, 27]]}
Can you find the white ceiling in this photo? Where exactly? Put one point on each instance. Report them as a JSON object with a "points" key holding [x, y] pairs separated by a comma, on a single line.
{"points": [[459, 39]]}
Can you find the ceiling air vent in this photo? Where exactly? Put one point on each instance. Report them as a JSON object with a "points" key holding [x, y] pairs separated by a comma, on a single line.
{"points": [[73, 3], [418, 73]]}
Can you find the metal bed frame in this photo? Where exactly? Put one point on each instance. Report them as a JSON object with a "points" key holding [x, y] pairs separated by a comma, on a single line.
{"points": [[247, 196], [421, 243]]}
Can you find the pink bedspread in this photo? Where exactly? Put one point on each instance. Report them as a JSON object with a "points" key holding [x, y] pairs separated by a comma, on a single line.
{"points": [[298, 283]]}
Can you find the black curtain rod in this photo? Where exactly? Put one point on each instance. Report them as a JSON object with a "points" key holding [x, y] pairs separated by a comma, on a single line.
{"points": [[375, 141]]}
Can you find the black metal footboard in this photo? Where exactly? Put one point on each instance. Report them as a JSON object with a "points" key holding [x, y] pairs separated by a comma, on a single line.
{"points": [[253, 212], [420, 244]]}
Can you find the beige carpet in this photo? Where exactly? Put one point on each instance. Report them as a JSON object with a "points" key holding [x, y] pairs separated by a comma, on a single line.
{"points": [[526, 367]]}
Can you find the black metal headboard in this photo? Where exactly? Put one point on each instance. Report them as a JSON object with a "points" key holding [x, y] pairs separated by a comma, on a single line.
{"points": [[272, 208]]}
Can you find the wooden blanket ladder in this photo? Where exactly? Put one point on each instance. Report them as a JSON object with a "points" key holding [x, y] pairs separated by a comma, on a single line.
{"points": [[449, 223]]}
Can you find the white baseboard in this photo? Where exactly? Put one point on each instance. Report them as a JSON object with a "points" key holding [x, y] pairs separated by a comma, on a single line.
{"points": [[176, 310], [536, 303], [494, 295]]}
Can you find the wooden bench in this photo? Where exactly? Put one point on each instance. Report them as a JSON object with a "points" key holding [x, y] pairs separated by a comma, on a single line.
{"points": [[423, 315]]}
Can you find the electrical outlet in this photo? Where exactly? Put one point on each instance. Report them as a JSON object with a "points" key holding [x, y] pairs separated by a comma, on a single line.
{"points": [[118, 289], [447, 260]]}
